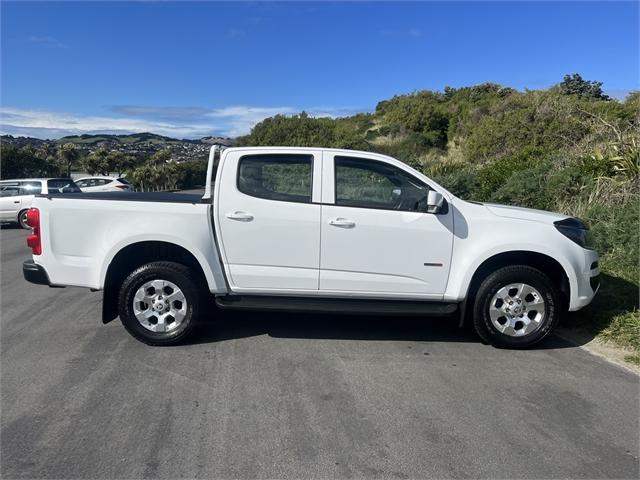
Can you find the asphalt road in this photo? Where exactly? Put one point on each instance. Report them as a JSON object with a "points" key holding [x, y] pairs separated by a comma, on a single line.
{"points": [[295, 396]]}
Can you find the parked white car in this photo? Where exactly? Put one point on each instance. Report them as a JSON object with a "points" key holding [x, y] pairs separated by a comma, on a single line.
{"points": [[103, 184], [16, 195], [317, 230]]}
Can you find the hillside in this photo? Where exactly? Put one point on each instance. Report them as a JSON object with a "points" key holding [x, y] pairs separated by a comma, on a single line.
{"points": [[122, 139], [138, 144], [22, 141]]}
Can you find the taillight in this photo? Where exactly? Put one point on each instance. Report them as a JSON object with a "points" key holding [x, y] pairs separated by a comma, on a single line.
{"points": [[34, 242], [122, 187]]}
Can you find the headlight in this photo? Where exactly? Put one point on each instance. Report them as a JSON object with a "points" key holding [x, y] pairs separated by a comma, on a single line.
{"points": [[575, 230]]}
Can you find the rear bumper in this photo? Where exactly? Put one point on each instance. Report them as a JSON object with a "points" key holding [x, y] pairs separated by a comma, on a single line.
{"points": [[35, 273]]}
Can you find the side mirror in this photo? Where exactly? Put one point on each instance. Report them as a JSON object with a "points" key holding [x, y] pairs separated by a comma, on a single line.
{"points": [[435, 201]]}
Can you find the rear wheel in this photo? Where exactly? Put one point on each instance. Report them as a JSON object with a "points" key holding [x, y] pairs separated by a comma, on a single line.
{"points": [[159, 303], [515, 307], [22, 219]]}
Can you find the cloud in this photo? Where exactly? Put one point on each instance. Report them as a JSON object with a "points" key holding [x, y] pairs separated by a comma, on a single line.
{"points": [[177, 122], [43, 124], [335, 112], [240, 119], [166, 112], [47, 41]]}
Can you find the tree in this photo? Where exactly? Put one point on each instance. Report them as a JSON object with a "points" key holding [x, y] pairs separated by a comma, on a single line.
{"points": [[97, 163], [160, 157], [119, 162], [157, 173], [49, 152], [576, 85], [68, 156], [25, 162]]}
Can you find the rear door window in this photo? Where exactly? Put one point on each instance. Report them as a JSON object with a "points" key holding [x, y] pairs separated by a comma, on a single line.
{"points": [[31, 188], [283, 177]]}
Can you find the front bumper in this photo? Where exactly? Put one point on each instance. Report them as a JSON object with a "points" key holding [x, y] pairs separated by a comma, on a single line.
{"points": [[588, 281], [35, 273]]}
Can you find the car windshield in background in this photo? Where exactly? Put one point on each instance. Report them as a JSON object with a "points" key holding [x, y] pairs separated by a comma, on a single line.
{"points": [[62, 185], [123, 180]]}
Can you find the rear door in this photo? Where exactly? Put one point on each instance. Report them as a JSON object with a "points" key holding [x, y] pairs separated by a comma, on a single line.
{"points": [[28, 190], [90, 185], [377, 238], [269, 225], [106, 185]]}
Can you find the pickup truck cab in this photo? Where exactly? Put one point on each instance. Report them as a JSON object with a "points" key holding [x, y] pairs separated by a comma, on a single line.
{"points": [[313, 229]]}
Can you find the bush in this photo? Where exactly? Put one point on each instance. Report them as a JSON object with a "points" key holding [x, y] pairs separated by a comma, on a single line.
{"points": [[462, 182], [525, 188], [494, 176], [191, 174]]}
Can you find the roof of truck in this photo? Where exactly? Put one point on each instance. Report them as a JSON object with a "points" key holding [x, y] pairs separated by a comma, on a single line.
{"points": [[275, 147], [345, 151]]}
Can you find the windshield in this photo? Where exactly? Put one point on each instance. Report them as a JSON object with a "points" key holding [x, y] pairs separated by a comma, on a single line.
{"points": [[62, 185], [123, 180]]}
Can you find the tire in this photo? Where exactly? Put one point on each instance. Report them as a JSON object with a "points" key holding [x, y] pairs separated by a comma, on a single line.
{"points": [[22, 219], [533, 313], [170, 296]]}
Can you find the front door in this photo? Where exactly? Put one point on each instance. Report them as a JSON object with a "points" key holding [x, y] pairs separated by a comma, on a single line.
{"points": [[10, 201], [376, 237], [269, 227]]}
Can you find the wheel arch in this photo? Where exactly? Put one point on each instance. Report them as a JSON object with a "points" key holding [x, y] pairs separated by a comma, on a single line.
{"points": [[540, 261], [133, 256]]}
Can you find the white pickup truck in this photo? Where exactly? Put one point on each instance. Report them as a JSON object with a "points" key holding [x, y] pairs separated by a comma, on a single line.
{"points": [[319, 230]]}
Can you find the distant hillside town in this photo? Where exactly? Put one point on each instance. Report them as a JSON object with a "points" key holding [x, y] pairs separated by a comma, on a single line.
{"points": [[136, 145]]}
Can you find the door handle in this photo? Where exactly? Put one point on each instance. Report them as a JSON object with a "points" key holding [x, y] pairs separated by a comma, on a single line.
{"points": [[342, 223], [240, 216], [16, 201]]}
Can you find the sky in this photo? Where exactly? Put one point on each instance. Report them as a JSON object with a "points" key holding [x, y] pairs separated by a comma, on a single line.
{"points": [[189, 70]]}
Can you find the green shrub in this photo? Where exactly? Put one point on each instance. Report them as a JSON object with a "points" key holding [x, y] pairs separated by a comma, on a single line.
{"points": [[494, 176], [462, 182], [525, 188]]}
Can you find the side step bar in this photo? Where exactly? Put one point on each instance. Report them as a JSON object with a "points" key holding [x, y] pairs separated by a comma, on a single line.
{"points": [[336, 305]]}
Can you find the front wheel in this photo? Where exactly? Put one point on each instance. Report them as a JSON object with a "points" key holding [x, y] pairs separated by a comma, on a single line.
{"points": [[158, 303], [515, 307]]}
